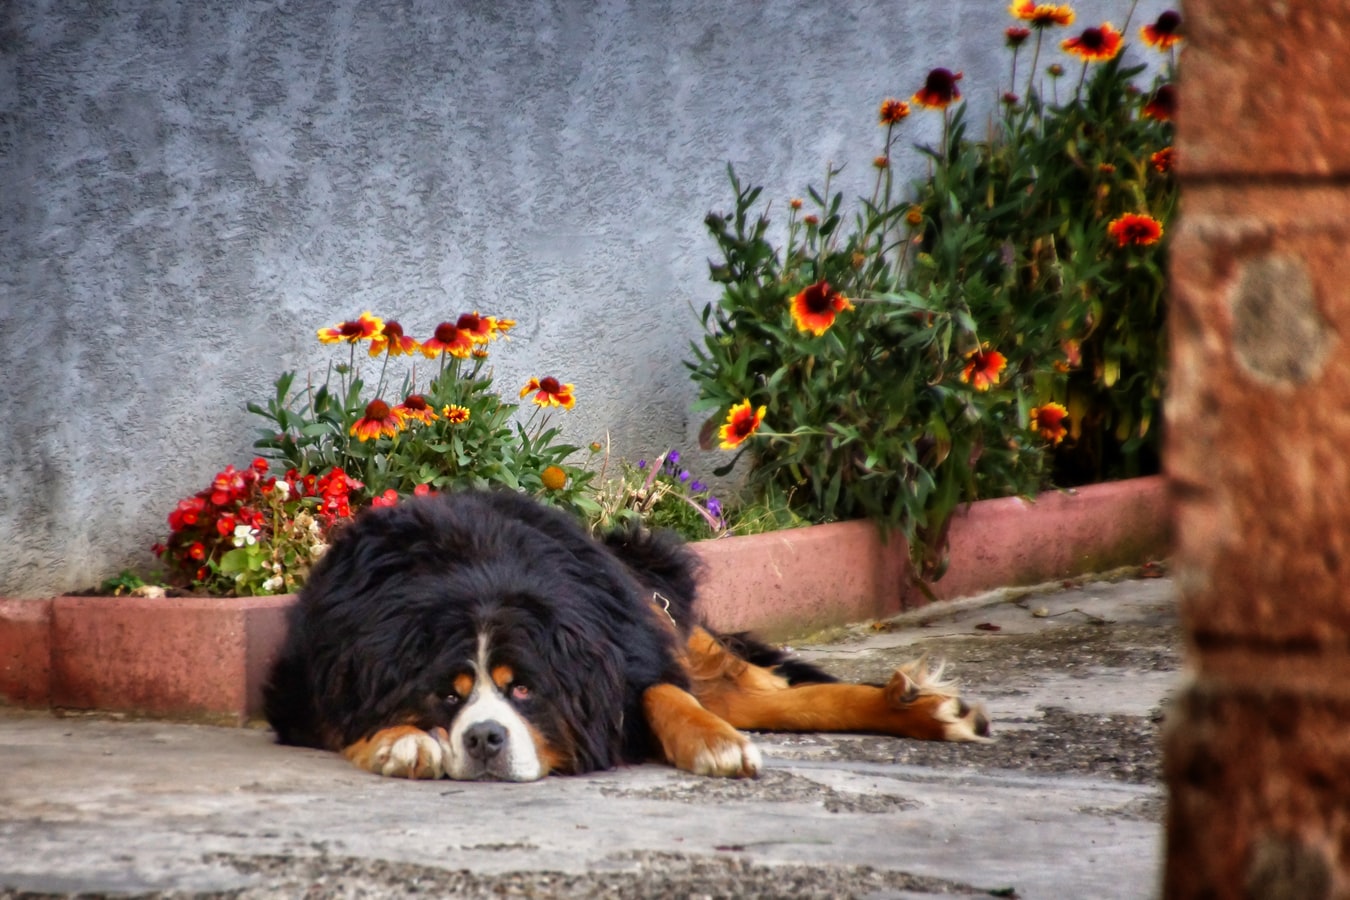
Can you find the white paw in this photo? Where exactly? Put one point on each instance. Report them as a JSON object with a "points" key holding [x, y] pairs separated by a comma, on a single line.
{"points": [[728, 758], [411, 755], [963, 721]]}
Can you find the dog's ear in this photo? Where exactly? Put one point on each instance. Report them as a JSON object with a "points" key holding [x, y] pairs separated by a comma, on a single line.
{"points": [[591, 692]]}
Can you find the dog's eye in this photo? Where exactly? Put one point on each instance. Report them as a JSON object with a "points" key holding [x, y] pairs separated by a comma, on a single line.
{"points": [[520, 692], [452, 699]]}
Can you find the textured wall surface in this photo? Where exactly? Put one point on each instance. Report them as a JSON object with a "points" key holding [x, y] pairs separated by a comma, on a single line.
{"points": [[189, 190], [1258, 752]]}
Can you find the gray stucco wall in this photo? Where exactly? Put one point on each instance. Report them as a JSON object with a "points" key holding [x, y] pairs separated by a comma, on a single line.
{"points": [[189, 190]]}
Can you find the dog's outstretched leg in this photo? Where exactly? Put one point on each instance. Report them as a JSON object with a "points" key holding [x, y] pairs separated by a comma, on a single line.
{"points": [[401, 751], [695, 739]]}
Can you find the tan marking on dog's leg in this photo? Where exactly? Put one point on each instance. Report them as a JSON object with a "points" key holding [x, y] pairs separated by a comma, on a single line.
{"points": [[401, 751], [695, 739], [915, 704]]}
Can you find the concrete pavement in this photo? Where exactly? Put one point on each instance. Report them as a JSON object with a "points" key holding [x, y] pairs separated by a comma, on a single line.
{"points": [[1065, 804]]}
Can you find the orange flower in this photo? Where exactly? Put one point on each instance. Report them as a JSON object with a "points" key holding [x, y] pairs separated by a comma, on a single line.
{"points": [[364, 327], [939, 89], [795, 203], [882, 162], [448, 338], [1073, 356], [393, 341], [742, 421], [1051, 422], [549, 392], [553, 477], [892, 111], [414, 407], [479, 328], [1163, 104], [455, 415], [1015, 36], [378, 420], [815, 307], [1094, 44], [1135, 229], [1041, 15], [498, 327], [984, 368], [1163, 159], [1164, 32]]}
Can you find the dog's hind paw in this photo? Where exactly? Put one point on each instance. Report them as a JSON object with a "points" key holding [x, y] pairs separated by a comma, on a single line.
{"points": [[932, 706], [401, 751], [730, 755]]}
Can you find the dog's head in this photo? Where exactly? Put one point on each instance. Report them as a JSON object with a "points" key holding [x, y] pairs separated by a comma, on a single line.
{"points": [[513, 633]]}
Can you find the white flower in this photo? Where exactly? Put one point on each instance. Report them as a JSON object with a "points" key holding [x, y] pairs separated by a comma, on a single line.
{"points": [[245, 535], [283, 489], [273, 583], [317, 551]]}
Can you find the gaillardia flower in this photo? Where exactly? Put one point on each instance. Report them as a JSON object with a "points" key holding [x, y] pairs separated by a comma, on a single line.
{"points": [[1015, 36], [939, 89], [1135, 229], [984, 368], [742, 421], [415, 408], [1041, 15], [1164, 32], [479, 328], [393, 341], [550, 392], [1094, 44], [1163, 104], [363, 328], [448, 338], [455, 415], [378, 420], [815, 308], [1163, 160], [892, 110], [554, 478], [498, 327], [1050, 421]]}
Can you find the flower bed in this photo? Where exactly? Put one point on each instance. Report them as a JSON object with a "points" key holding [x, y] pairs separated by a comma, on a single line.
{"points": [[205, 658]]}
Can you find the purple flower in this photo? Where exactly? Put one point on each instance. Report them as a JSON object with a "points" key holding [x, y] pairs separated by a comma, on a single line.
{"points": [[673, 457], [696, 485], [642, 464], [684, 475], [715, 507]]}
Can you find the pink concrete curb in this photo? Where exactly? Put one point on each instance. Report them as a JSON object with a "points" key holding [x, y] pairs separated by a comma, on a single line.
{"points": [[205, 658]]}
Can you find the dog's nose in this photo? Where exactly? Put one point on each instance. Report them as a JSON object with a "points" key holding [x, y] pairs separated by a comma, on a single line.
{"points": [[484, 740]]}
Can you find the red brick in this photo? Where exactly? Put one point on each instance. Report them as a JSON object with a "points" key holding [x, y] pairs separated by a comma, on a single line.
{"points": [[25, 651], [1263, 89]]}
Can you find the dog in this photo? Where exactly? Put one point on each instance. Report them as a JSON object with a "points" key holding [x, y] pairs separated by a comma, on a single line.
{"points": [[484, 635]]}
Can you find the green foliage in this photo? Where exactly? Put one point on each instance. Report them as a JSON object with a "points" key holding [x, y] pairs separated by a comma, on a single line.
{"points": [[445, 428], [658, 494], [980, 304]]}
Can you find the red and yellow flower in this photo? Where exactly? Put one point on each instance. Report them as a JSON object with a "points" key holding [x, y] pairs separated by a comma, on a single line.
{"points": [[1042, 15], [1163, 32], [1135, 229], [448, 338], [1050, 421], [363, 328], [455, 415], [742, 421], [415, 408], [1163, 160], [479, 328], [1094, 44], [893, 110], [393, 341], [1015, 36], [1163, 104], [554, 477], [498, 327], [814, 309], [939, 89], [379, 420], [984, 368], [550, 392]]}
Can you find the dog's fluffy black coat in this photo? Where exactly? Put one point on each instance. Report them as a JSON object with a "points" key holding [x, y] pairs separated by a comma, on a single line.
{"points": [[399, 601]]}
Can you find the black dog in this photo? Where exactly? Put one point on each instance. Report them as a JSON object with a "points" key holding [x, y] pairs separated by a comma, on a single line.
{"points": [[484, 635]]}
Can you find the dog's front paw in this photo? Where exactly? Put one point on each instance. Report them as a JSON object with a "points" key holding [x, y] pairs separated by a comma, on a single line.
{"points": [[722, 753], [400, 752], [932, 706]]}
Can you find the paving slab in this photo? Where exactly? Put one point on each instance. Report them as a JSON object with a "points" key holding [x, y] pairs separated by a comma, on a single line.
{"points": [[1067, 802]]}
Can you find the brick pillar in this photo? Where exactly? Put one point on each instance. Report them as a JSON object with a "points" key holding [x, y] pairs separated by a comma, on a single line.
{"points": [[1258, 752]]}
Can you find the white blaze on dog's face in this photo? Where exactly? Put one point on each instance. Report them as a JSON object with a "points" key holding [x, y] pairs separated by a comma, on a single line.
{"points": [[489, 737]]}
